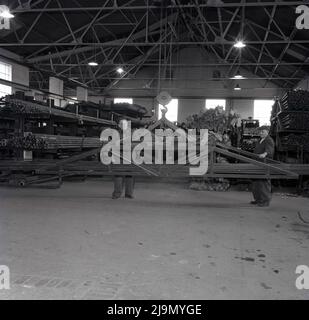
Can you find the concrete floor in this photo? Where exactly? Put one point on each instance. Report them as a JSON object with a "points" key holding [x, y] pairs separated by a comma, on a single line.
{"points": [[167, 243]]}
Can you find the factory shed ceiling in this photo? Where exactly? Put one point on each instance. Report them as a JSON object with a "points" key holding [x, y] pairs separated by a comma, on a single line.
{"points": [[61, 37]]}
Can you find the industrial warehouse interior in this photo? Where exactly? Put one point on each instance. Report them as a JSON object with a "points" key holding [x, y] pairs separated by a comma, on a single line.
{"points": [[154, 150]]}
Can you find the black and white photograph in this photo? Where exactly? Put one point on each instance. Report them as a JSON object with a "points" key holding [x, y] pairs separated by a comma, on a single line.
{"points": [[154, 150]]}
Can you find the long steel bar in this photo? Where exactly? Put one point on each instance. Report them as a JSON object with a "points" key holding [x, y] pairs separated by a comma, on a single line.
{"points": [[252, 161]]}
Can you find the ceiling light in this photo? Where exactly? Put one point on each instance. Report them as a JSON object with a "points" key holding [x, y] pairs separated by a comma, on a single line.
{"points": [[238, 76], [93, 64], [239, 44], [120, 70], [6, 14], [237, 88]]}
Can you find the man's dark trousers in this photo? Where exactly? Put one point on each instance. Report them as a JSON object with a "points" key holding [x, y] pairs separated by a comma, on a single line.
{"points": [[120, 182], [261, 190]]}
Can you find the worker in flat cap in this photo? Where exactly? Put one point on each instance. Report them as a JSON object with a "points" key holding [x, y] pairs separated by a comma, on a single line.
{"points": [[261, 188]]}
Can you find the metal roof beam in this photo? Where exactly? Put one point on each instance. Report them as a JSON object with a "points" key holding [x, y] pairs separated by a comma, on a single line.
{"points": [[273, 12], [153, 7], [292, 35], [183, 65], [80, 29], [118, 43], [90, 46], [34, 23]]}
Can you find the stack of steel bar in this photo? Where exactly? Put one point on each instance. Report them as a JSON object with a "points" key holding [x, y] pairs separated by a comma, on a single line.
{"points": [[290, 123], [29, 142], [50, 142], [68, 142], [17, 106], [296, 100], [297, 140], [36, 141], [294, 121], [95, 168]]}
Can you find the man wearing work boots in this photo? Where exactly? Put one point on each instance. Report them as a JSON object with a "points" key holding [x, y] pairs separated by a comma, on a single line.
{"points": [[261, 188]]}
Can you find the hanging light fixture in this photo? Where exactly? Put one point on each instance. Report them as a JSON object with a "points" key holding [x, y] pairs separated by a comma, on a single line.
{"points": [[120, 70], [238, 76], [237, 88], [239, 44]]}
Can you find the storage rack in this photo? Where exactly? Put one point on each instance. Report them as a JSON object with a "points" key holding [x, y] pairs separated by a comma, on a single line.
{"points": [[290, 127], [45, 130]]}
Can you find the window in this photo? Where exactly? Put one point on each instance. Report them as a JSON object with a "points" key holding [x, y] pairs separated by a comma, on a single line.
{"points": [[123, 100], [262, 111], [5, 74], [213, 103], [172, 110]]}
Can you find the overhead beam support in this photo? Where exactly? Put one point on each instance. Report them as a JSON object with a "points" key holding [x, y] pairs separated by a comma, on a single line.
{"points": [[153, 7], [117, 43], [90, 46]]}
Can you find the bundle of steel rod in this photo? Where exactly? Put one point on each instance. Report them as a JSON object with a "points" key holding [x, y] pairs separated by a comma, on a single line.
{"points": [[297, 140], [29, 142], [294, 121], [295, 100], [68, 142], [16, 106], [54, 142], [50, 142], [96, 168], [133, 110]]}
